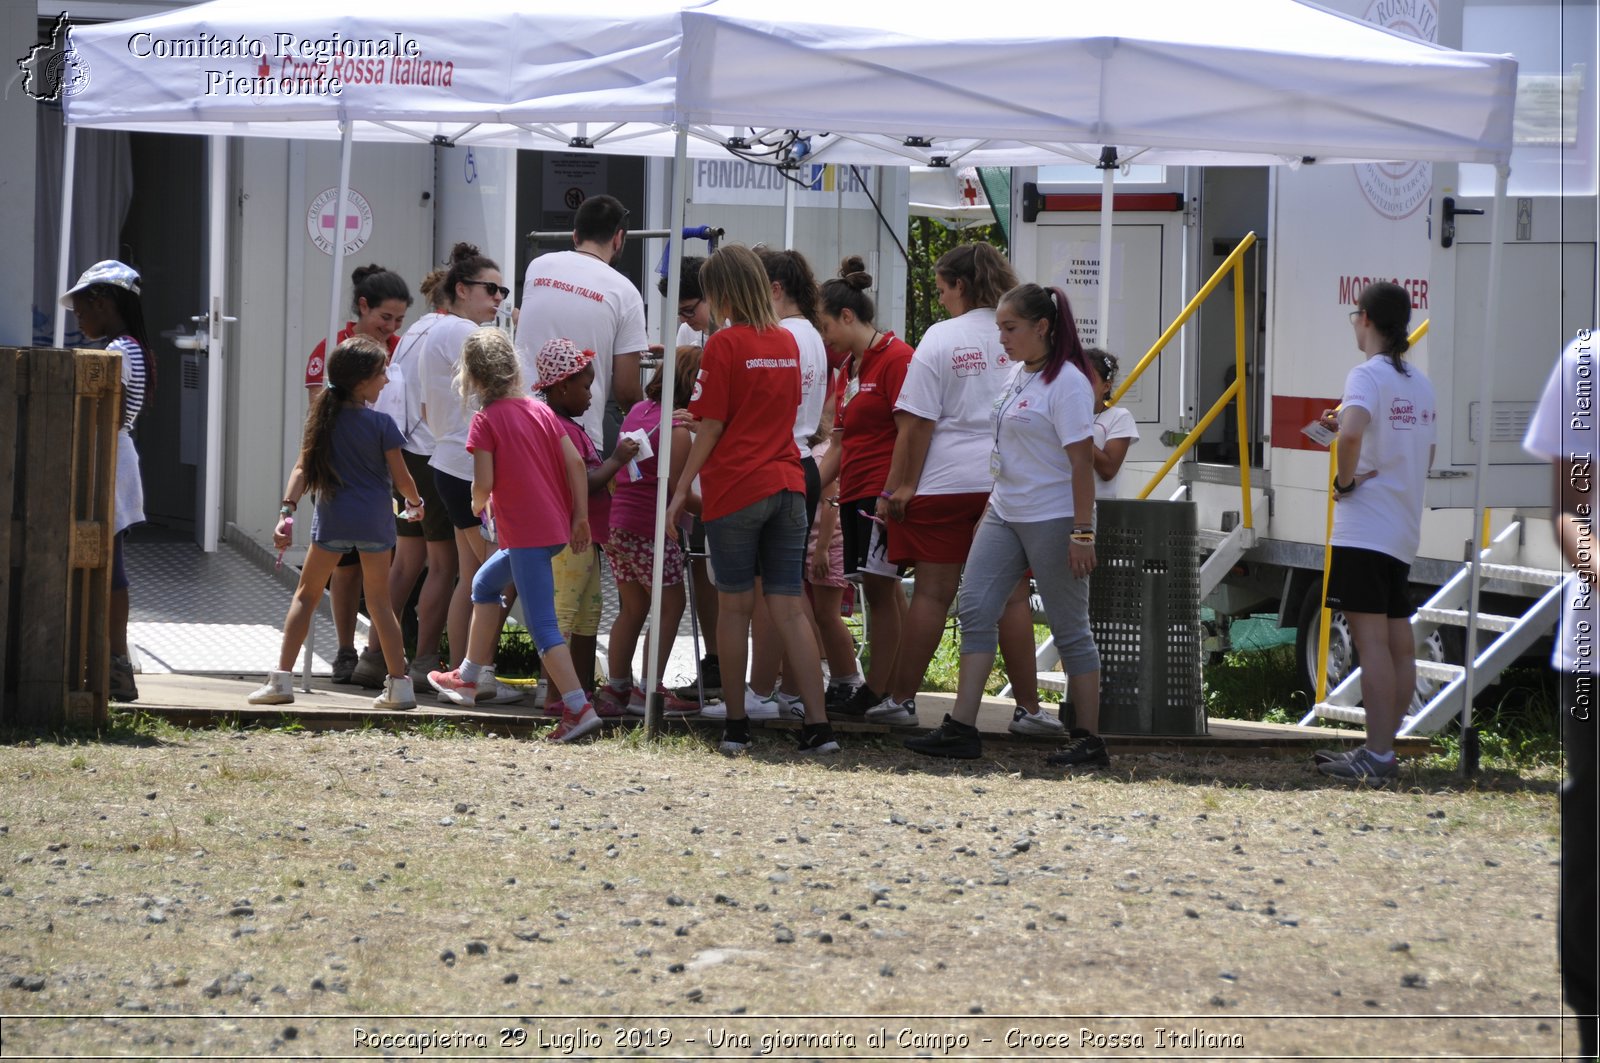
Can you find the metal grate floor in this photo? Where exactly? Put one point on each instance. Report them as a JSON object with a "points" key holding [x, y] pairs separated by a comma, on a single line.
{"points": [[223, 613]]}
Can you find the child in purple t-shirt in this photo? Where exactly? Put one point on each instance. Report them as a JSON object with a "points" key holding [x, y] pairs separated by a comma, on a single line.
{"points": [[350, 458]]}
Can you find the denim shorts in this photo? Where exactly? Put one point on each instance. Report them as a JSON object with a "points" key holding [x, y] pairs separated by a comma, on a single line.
{"points": [[766, 538], [345, 546]]}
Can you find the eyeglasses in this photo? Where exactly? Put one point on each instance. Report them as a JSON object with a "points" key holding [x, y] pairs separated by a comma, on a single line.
{"points": [[1354, 314], [686, 310], [492, 288]]}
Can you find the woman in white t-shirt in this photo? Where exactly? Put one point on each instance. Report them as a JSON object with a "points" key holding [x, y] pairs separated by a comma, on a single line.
{"points": [[939, 481], [1114, 430], [1384, 451], [1040, 517]]}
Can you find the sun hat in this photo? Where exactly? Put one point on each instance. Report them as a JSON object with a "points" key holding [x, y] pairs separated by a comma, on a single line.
{"points": [[559, 359], [109, 272]]}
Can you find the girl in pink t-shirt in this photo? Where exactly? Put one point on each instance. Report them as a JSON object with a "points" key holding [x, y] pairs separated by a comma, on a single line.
{"points": [[526, 466]]}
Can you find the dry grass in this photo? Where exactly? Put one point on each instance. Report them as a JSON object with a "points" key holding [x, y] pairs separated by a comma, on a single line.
{"points": [[257, 878]]}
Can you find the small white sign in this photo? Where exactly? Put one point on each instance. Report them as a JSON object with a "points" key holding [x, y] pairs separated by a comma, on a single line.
{"points": [[354, 222], [1319, 434]]}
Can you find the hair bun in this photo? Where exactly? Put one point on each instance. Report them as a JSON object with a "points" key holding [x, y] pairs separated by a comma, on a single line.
{"points": [[463, 251], [361, 273]]}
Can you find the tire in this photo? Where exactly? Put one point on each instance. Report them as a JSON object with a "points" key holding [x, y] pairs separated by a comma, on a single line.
{"points": [[1341, 649]]}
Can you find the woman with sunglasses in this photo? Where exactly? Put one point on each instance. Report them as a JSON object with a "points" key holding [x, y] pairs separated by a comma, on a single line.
{"points": [[475, 290], [1114, 428]]}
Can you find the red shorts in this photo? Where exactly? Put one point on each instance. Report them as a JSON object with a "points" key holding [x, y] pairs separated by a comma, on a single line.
{"points": [[938, 529]]}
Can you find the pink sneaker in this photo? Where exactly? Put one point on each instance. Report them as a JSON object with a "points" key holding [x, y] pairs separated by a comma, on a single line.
{"points": [[610, 702], [574, 725], [671, 704], [452, 687]]}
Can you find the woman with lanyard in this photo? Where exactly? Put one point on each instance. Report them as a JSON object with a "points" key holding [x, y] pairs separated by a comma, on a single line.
{"points": [[939, 482], [475, 291], [1041, 511], [106, 303], [860, 464], [428, 544], [379, 301], [1385, 448]]}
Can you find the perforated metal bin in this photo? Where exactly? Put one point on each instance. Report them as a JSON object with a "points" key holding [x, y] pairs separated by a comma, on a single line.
{"points": [[1144, 609]]}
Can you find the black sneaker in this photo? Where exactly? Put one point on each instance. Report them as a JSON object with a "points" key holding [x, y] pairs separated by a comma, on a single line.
{"points": [[735, 737], [957, 741], [1083, 750], [123, 688], [855, 708], [344, 665], [710, 680], [838, 695], [816, 739]]}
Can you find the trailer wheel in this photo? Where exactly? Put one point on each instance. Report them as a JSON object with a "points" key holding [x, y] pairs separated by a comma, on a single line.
{"points": [[1341, 649]]}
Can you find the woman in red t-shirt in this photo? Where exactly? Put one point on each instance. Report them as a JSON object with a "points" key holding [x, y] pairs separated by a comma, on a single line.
{"points": [[869, 388], [379, 301], [752, 487]]}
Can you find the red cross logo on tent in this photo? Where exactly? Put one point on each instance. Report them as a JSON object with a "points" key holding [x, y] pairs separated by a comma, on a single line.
{"points": [[352, 224]]}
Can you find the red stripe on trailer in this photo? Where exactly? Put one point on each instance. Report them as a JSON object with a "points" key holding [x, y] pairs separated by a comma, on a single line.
{"points": [[1290, 413]]}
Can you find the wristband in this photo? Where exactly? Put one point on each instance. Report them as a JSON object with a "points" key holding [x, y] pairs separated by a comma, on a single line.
{"points": [[286, 510], [1083, 538], [1344, 489], [290, 504], [885, 494]]}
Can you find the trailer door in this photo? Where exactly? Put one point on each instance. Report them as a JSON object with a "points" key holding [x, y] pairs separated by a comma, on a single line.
{"points": [[1547, 275]]}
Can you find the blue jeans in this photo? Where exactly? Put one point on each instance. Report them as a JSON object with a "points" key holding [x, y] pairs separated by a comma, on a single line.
{"points": [[529, 568], [766, 538]]}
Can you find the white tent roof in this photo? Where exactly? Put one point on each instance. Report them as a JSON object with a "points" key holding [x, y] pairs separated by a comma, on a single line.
{"points": [[1273, 81]]}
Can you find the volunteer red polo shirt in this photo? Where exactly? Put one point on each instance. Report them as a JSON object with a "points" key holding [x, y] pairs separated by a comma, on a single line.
{"points": [[868, 418], [316, 365], [750, 381]]}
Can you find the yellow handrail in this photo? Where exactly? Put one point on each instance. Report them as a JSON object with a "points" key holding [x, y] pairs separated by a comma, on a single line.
{"points": [[1235, 391], [1325, 621]]}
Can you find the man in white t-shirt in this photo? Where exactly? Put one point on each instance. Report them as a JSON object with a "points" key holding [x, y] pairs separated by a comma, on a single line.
{"points": [[1563, 433], [577, 295]]}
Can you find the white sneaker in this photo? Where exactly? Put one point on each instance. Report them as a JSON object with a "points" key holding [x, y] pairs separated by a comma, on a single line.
{"points": [[277, 690], [1039, 723], [894, 713], [397, 693], [714, 710], [790, 705], [759, 708], [491, 690]]}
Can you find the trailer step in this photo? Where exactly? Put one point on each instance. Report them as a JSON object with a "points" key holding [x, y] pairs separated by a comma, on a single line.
{"points": [[1056, 681], [1458, 618], [1531, 577]]}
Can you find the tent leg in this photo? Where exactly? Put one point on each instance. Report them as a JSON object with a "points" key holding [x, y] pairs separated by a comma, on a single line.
{"points": [[1491, 328], [64, 238], [1108, 176], [668, 371], [347, 134]]}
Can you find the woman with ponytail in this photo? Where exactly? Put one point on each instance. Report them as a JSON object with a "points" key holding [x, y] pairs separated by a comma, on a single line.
{"points": [[1041, 513], [1385, 448], [379, 300]]}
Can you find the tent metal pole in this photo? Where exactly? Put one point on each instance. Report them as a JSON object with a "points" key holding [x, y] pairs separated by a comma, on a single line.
{"points": [[1108, 176], [347, 131], [788, 214], [64, 239], [1491, 328], [668, 371], [216, 289]]}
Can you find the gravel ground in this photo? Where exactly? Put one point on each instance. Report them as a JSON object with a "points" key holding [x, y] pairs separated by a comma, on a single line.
{"points": [[276, 895]]}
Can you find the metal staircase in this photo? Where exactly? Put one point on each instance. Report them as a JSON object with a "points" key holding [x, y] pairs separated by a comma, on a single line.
{"points": [[1511, 637]]}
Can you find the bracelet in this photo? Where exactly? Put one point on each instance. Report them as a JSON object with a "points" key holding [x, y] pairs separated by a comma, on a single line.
{"points": [[1344, 489], [286, 511], [1083, 528], [834, 502], [885, 494], [290, 504], [1083, 538]]}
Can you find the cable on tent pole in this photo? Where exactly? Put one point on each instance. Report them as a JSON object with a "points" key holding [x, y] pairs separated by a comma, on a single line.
{"points": [[64, 239], [669, 370], [1491, 328], [879, 212]]}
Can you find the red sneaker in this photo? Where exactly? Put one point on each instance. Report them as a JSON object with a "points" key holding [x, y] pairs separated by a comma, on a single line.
{"points": [[574, 725], [452, 687]]}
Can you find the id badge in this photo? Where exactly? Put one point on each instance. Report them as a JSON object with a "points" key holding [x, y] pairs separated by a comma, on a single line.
{"points": [[852, 388], [994, 463]]}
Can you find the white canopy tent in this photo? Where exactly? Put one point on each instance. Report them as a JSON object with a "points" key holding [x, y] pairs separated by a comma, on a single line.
{"points": [[1163, 81]]}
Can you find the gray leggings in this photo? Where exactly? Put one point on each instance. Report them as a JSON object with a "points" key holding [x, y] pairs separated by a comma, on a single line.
{"points": [[1001, 553]]}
